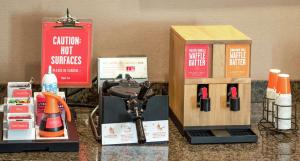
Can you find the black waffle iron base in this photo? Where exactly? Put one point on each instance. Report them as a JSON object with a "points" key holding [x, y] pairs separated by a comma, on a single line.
{"points": [[129, 101]]}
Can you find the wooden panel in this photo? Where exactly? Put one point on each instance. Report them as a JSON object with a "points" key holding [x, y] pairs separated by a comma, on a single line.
{"points": [[171, 74], [177, 76], [220, 114], [210, 34], [217, 80], [218, 70], [191, 111], [217, 116], [242, 117], [217, 93]]}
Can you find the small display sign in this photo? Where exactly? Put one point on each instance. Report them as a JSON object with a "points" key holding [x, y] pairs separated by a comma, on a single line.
{"points": [[119, 67], [237, 61], [125, 133], [68, 51], [18, 109], [197, 61], [18, 125]]}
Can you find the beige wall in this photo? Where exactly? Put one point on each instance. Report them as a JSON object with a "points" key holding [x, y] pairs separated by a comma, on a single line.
{"points": [[138, 27]]}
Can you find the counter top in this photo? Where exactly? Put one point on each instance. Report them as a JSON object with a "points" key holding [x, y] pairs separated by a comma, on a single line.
{"points": [[268, 147]]}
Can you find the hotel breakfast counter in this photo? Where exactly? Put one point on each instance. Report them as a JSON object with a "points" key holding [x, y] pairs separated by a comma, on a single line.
{"points": [[267, 148]]}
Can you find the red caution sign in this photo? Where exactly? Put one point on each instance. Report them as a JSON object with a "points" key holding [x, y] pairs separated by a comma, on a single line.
{"points": [[68, 51]]}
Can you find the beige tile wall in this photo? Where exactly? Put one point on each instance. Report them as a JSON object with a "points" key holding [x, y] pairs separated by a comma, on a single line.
{"points": [[141, 27]]}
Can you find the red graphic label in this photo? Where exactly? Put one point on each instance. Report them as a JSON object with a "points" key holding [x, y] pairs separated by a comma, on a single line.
{"points": [[17, 125], [53, 122], [130, 68], [68, 51], [196, 61], [22, 93], [18, 109], [19, 117]]}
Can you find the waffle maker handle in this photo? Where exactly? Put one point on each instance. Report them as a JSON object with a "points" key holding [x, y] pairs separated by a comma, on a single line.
{"points": [[140, 131]]}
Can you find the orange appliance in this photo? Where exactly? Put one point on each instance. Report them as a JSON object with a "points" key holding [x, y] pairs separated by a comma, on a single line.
{"points": [[52, 123]]}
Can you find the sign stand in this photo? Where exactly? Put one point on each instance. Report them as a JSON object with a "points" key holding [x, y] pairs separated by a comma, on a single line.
{"points": [[67, 48]]}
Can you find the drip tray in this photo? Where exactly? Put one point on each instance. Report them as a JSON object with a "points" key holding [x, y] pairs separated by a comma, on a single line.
{"points": [[211, 136]]}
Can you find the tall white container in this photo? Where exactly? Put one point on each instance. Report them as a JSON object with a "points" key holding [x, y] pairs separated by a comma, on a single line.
{"points": [[49, 82], [271, 91], [284, 100]]}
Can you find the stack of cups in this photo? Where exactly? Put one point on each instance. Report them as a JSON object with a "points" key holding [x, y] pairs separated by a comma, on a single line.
{"points": [[284, 102], [271, 91]]}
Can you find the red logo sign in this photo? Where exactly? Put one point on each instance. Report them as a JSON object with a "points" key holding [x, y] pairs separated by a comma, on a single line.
{"points": [[54, 122], [68, 51], [197, 61], [22, 93], [18, 109], [130, 68], [17, 125]]}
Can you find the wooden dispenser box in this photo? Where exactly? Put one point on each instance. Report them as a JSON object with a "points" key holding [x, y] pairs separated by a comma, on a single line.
{"points": [[217, 58]]}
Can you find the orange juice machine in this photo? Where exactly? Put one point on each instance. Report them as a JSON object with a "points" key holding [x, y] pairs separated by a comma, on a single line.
{"points": [[210, 84]]}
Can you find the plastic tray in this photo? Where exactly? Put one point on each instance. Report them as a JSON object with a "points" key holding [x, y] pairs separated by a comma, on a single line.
{"points": [[69, 145]]}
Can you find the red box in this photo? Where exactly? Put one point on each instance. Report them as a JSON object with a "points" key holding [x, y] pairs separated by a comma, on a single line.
{"points": [[22, 93], [68, 50], [18, 109], [197, 61], [18, 125]]}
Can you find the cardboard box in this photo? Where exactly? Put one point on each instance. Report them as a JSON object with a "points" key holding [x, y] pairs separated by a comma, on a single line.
{"points": [[19, 89], [19, 105], [17, 126]]}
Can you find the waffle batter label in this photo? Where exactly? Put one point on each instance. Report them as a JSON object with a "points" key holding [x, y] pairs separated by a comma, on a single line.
{"points": [[237, 60], [197, 61]]}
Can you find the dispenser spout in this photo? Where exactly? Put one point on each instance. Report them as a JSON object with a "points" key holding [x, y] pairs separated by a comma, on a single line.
{"points": [[233, 92], [52, 106]]}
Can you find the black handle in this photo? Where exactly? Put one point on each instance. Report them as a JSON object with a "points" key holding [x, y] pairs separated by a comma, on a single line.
{"points": [[108, 84], [144, 89], [205, 104], [234, 104], [140, 130]]}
